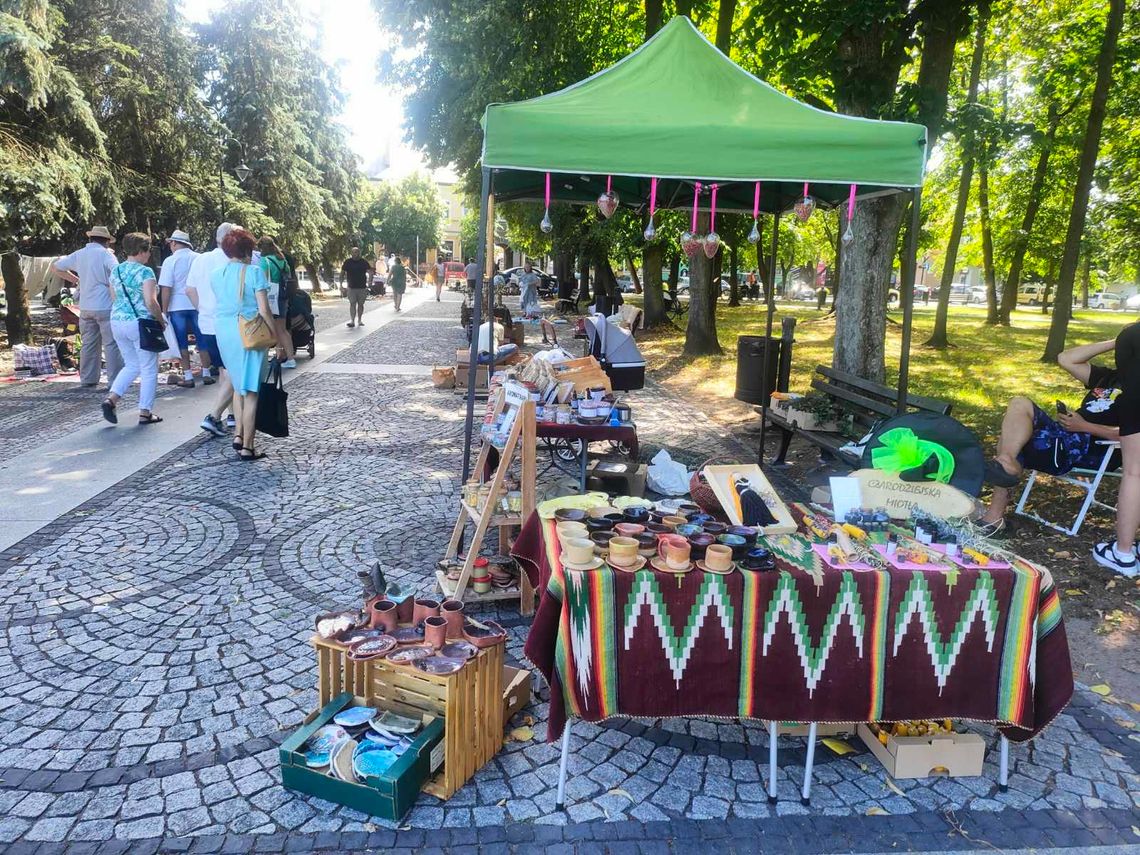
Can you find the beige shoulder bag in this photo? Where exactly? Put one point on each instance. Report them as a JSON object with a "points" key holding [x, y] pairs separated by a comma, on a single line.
{"points": [[256, 334]]}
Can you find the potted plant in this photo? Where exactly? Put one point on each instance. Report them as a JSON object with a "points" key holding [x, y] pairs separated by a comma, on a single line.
{"points": [[815, 411]]}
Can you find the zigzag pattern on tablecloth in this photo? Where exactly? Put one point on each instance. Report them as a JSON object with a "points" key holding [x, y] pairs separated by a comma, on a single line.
{"points": [[581, 631], [647, 596], [813, 657], [983, 602]]}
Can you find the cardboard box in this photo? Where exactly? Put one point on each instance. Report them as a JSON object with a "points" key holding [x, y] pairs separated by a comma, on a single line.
{"points": [[516, 691], [390, 795], [953, 755], [462, 373], [518, 333]]}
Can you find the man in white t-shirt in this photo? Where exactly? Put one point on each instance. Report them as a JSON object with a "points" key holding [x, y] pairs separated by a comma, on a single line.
{"points": [[90, 268], [202, 297], [471, 271], [176, 304]]}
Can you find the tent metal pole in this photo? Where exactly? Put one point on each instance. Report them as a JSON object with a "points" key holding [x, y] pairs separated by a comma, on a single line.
{"points": [[771, 301], [909, 264], [476, 322]]}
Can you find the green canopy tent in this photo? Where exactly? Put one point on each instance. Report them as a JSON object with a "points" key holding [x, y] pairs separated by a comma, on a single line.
{"points": [[680, 111]]}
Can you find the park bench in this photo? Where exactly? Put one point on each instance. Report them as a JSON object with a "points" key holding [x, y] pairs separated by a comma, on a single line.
{"points": [[866, 401]]}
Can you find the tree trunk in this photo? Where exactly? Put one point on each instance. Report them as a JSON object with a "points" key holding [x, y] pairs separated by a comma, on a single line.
{"points": [[19, 317], [584, 279], [653, 306], [315, 276], [652, 17], [564, 273], [1049, 281], [1089, 149], [987, 237], [633, 273], [674, 274], [700, 333], [724, 26], [939, 338], [1032, 206], [1086, 275], [733, 278]]}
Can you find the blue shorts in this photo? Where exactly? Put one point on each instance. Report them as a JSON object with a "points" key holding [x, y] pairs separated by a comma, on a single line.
{"points": [[209, 343], [1053, 450], [184, 322]]}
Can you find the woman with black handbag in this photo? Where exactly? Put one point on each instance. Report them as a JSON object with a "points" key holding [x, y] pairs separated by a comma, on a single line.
{"points": [[137, 324], [245, 331]]}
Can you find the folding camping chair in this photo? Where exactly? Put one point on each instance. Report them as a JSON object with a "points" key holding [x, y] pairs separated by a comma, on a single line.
{"points": [[1087, 480]]}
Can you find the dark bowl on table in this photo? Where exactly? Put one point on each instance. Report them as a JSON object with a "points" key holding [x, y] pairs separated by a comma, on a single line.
{"points": [[745, 531], [636, 514], [614, 518], [759, 558], [596, 524], [570, 515], [715, 528], [699, 543], [646, 542], [656, 528], [686, 509], [736, 543], [699, 518], [602, 538]]}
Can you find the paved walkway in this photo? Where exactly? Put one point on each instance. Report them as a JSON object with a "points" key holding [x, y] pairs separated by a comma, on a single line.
{"points": [[155, 656]]}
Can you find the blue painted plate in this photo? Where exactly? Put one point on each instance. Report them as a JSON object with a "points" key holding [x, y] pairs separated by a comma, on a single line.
{"points": [[324, 739], [372, 759], [354, 716]]}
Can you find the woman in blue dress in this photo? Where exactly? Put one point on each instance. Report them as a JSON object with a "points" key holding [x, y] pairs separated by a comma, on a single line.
{"points": [[242, 291]]}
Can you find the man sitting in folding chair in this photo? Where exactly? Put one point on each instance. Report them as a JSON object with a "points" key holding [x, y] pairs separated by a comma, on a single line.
{"points": [[1032, 439]]}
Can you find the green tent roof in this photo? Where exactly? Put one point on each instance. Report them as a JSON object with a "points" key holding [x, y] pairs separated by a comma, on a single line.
{"points": [[679, 109]]}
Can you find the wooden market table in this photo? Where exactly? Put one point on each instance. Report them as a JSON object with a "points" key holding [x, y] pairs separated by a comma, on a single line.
{"points": [[804, 643]]}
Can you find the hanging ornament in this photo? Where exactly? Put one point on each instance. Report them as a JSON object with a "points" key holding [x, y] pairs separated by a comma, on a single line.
{"points": [[650, 233], [754, 235], [547, 226], [712, 239], [849, 235], [691, 242], [608, 201], [804, 207]]}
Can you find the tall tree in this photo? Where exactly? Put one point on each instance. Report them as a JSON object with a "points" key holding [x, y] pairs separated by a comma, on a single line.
{"points": [[402, 213], [1063, 301]]}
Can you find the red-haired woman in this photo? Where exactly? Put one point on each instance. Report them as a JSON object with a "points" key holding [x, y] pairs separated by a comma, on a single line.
{"points": [[242, 292]]}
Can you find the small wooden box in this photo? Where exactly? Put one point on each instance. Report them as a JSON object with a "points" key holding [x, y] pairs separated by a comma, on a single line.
{"points": [[462, 374], [953, 755], [516, 691], [470, 701]]}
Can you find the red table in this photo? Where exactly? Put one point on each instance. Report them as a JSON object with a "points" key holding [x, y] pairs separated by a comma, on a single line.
{"points": [[551, 434]]}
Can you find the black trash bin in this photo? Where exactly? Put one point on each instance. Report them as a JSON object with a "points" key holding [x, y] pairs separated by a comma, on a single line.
{"points": [[750, 385]]}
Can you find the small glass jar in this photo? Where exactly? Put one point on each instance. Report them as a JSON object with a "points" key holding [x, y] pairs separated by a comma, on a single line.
{"points": [[481, 584], [514, 501], [471, 493]]}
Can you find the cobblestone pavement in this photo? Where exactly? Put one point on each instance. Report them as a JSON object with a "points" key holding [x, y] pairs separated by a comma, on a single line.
{"points": [[155, 656]]}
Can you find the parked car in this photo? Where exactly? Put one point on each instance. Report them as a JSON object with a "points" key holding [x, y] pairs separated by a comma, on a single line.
{"points": [[547, 285], [1109, 300], [1132, 302], [453, 274], [1032, 295]]}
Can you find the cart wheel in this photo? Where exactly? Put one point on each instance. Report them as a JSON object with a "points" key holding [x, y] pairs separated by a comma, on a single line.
{"points": [[567, 449], [621, 447], [313, 347]]}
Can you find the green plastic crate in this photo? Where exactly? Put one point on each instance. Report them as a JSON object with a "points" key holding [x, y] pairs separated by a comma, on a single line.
{"points": [[390, 795]]}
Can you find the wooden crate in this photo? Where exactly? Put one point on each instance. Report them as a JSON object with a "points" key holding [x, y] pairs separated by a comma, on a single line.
{"points": [[470, 701]]}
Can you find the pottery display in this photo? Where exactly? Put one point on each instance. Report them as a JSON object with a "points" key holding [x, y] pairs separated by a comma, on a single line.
{"points": [[459, 650], [410, 654], [371, 648], [435, 631], [383, 615], [425, 607], [439, 665], [485, 633], [412, 634], [452, 612]]}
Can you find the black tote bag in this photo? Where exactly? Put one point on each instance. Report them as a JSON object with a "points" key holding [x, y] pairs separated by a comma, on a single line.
{"points": [[272, 407], [151, 336]]}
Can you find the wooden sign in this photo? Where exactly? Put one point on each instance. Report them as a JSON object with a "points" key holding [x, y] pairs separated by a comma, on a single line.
{"points": [[888, 490]]}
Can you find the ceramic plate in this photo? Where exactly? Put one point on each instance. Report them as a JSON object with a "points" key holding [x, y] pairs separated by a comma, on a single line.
{"points": [[408, 634], [325, 738], [371, 648], [630, 568], [354, 716], [396, 723], [459, 650], [340, 760], [659, 564], [702, 566], [357, 635], [594, 563], [490, 629], [369, 758], [439, 664], [410, 654]]}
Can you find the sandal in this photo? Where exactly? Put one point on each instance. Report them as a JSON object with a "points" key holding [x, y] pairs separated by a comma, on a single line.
{"points": [[249, 454], [149, 419], [184, 383], [109, 411], [237, 445]]}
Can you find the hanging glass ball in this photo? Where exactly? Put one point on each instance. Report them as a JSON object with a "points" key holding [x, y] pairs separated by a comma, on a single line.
{"points": [[650, 232], [711, 244], [690, 243], [607, 203], [803, 209], [754, 235], [546, 226], [848, 235]]}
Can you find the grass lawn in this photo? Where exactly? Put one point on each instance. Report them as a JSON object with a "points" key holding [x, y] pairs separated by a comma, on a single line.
{"points": [[986, 367]]}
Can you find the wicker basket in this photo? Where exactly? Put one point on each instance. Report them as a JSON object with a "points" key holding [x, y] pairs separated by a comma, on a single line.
{"points": [[703, 494]]}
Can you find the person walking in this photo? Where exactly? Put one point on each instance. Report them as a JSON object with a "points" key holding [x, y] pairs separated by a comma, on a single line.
{"points": [[398, 280], [276, 270], [357, 271], [440, 277], [90, 268], [471, 272], [202, 296], [528, 285], [241, 292], [134, 295], [179, 311]]}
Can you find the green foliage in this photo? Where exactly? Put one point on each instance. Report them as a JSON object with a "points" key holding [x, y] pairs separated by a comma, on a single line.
{"points": [[402, 211]]}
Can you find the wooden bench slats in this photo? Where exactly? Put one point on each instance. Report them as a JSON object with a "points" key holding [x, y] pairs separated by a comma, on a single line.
{"points": [[847, 396], [889, 395]]}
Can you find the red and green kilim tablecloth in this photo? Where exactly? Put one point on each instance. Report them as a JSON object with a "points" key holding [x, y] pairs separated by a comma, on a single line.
{"points": [[804, 643]]}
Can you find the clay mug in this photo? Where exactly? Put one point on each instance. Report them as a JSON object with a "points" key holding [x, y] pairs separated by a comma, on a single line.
{"points": [[664, 541], [452, 612], [435, 631], [623, 551], [425, 608], [578, 550], [674, 521], [677, 554], [383, 615], [571, 529], [629, 529], [718, 557]]}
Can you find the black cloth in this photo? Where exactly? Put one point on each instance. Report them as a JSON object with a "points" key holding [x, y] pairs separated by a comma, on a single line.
{"points": [[1128, 376], [356, 271], [1099, 406]]}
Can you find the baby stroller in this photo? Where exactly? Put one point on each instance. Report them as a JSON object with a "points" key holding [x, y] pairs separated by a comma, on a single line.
{"points": [[301, 322]]}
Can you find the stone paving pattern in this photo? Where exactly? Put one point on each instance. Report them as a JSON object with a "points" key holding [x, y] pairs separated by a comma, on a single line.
{"points": [[155, 656]]}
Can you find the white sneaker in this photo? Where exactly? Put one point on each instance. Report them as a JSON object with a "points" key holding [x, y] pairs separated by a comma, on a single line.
{"points": [[289, 363], [212, 425], [231, 422], [1105, 555]]}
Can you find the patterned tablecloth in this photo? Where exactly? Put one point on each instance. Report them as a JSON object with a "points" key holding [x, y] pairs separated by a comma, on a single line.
{"points": [[804, 643]]}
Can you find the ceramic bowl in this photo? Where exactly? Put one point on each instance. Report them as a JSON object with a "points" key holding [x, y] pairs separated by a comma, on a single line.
{"points": [[656, 528], [490, 636], [759, 558], [688, 508], [406, 655], [595, 524], [700, 518], [601, 510], [570, 515], [439, 665], [601, 541], [745, 531], [689, 529], [571, 529], [629, 529], [615, 517], [459, 650], [701, 542], [736, 543], [636, 514], [715, 528]]}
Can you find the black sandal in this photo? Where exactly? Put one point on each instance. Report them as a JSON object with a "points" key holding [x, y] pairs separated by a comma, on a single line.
{"points": [[109, 411], [237, 445], [248, 454], [150, 419]]}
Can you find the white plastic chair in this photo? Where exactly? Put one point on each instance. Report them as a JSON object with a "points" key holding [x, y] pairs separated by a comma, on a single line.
{"points": [[1087, 480]]}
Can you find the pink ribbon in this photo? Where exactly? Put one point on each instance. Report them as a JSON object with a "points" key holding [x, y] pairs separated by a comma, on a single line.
{"points": [[652, 196], [609, 183], [712, 211], [851, 204], [548, 190], [756, 202], [805, 189], [696, 196]]}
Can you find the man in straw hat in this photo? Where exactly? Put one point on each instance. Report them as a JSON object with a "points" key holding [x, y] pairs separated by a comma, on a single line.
{"points": [[180, 311], [90, 269]]}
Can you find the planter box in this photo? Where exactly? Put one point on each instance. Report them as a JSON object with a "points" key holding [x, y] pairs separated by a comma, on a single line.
{"points": [[390, 795], [785, 404], [953, 755]]}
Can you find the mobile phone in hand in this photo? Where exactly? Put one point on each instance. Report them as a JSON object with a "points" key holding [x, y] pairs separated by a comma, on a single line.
{"points": [[1061, 408]]}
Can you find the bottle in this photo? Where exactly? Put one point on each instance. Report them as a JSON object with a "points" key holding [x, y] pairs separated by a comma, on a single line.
{"points": [[892, 545]]}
